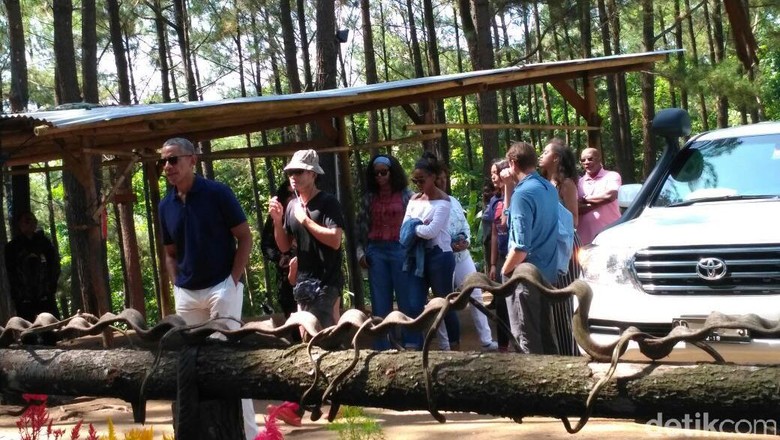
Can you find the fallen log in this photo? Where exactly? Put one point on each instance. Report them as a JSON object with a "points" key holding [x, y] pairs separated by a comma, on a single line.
{"points": [[508, 385]]}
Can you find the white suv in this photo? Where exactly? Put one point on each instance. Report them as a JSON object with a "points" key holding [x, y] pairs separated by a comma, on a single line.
{"points": [[701, 235]]}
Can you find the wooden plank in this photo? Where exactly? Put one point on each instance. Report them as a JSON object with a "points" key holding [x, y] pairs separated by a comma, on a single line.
{"points": [[423, 127]]}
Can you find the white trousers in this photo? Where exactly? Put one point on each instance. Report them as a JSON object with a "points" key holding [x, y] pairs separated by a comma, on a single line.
{"points": [[464, 266], [223, 300]]}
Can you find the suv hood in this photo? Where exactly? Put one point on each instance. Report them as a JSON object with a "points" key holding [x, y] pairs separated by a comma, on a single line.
{"points": [[704, 223]]}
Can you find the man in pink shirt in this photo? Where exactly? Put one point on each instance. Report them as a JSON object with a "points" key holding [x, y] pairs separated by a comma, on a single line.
{"points": [[597, 190]]}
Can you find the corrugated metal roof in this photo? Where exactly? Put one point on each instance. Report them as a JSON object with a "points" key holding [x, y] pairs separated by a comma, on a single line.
{"points": [[33, 137]]}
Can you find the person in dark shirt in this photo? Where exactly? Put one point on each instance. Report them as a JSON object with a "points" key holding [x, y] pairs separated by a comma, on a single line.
{"points": [[314, 220], [284, 290], [207, 243], [33, 268]]}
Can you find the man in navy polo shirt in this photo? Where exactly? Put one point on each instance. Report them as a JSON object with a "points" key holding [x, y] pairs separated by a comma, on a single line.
{"points": [[207, 243]]}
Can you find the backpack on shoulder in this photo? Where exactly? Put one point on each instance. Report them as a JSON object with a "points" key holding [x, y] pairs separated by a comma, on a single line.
{"points": [[565, 244]]}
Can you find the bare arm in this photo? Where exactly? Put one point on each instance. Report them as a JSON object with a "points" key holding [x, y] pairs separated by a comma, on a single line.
{"points": [[170, 261], [241, 259], [493, 270], [513, 259], [569, 195], [330, 237]]}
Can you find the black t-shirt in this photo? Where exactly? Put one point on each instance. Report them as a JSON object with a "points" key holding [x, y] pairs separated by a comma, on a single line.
{"points": [[315, 259]]}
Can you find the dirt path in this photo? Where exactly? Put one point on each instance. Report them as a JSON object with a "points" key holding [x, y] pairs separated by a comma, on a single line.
{"points": [[410, 425]]}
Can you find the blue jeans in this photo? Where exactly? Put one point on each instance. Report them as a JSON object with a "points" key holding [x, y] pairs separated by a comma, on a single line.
{"points": [[439, 268], [385, 259]]}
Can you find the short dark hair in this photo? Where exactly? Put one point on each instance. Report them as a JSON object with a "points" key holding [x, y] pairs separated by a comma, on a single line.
{"points": [[397, 175], [182, 143], [523, 154]]}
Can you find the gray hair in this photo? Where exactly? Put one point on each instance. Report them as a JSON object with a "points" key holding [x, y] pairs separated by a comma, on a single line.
{"points": [[182, 143]]}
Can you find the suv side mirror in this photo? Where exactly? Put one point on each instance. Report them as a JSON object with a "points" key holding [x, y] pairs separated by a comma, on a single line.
{"points": [[672, 123], [627, 193]]}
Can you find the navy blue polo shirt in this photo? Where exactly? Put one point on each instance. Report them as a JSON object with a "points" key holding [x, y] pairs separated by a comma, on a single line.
{"points": [[200, 230]]}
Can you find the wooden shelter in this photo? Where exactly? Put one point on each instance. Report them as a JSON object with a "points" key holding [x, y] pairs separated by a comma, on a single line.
{"points": [[133, 133]]}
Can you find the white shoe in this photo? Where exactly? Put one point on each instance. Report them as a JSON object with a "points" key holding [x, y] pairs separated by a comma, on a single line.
{"points": [[491, 346]]}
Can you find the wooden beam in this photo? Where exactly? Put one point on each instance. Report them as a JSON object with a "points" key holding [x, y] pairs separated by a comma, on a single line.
{"points": [[413, 115], [422, 127], [571, 96]]}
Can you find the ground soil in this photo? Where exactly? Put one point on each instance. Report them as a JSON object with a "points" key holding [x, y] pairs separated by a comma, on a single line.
{"points": [[409, 425]]}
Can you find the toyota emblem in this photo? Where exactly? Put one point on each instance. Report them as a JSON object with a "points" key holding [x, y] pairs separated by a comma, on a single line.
{"points": [[711, 269]]}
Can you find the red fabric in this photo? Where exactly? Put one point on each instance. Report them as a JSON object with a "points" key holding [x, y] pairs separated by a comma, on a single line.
{"points": [[387, 214]]}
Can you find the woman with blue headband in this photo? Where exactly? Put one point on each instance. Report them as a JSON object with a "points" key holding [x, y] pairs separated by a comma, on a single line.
{"points": [[379, 223]]}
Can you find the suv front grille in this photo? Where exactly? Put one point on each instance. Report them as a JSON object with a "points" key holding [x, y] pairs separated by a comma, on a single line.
{"points": [[709, 270]]}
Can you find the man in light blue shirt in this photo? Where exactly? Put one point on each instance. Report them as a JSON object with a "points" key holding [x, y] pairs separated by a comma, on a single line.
{"points": [[533, 233]]}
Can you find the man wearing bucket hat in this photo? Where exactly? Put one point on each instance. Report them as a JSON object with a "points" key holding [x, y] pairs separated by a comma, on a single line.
{"points": [[207, 243], [313, 219]]}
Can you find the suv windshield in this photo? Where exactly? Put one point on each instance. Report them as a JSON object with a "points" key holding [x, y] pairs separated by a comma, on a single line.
{"points": [[734, 168]]}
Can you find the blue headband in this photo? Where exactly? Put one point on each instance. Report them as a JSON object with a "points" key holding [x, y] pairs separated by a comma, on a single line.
{"points": [[382, 160]]}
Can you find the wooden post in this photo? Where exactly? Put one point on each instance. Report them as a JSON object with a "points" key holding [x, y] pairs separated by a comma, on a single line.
{"points": [[347, 204], [592, 116], [166, 304], [124, 199]]}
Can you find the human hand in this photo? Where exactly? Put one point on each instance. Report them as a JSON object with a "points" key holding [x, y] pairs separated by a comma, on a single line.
{"points": [[292, 275], [275, 210], [493, 273], [363, 262], [299, 212]]}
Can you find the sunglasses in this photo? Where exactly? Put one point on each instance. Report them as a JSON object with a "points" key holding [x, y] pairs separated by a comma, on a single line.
{"points": [[173, 160], [382, 173], [294, 172]]}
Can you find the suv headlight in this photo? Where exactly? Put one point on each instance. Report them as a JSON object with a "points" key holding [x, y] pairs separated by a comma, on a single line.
{"points": [[606, 264]]}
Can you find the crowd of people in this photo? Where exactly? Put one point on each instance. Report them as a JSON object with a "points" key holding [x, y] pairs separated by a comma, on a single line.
{"points": [[413, 242]]}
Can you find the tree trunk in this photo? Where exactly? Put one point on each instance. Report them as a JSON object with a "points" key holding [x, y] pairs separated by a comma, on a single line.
{"points": [[720, 49], [648, 92], [117, 44], [464, 114], [64, 53], [302, 30], [162, 50], [18, 98], [434, 69], [545, 93], [6, 308], [704, 116], [89, 70], [327, 79], [370, 59], [19, 91], [624, 127], [681, 67], [475, 19], [623, 159], [496, 384]]}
